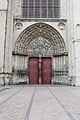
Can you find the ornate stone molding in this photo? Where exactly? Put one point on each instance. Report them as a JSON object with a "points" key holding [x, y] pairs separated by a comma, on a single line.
{"points": [[40, 46], [40, 32], [61, 25], [18, 25]]}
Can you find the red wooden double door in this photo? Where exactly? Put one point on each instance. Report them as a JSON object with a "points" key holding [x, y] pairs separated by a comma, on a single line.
{"points": [[40, 70]]}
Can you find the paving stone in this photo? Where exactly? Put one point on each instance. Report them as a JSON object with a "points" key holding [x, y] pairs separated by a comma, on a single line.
{"points": [[40, 103]]}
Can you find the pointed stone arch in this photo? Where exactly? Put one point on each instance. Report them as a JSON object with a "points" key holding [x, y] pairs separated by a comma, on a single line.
{"points": [[46, 33]]}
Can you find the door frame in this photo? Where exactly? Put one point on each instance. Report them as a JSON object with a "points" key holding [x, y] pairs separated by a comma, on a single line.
{"points": [[40, 80]]}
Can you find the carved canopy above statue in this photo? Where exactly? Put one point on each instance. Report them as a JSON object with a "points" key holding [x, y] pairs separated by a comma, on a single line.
{"points": [[39, 38]]}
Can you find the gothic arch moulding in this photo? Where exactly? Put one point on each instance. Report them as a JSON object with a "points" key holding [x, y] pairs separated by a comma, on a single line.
{"points": [[39, 38]]}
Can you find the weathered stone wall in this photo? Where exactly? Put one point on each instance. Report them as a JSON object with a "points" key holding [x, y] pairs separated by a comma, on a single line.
{"points": [[21, 24], [3, 11], [76, 25], [68, 26], [9, 38]]}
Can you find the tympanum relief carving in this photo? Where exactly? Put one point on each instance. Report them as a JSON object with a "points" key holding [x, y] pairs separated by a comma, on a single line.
{"points": [[40, 38], [40, 46]]}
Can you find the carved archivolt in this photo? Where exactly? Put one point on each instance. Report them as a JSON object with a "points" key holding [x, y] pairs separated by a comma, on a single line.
{"points": [[39, 38]]}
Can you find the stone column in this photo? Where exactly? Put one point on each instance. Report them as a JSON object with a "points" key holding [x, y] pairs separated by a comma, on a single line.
{"points": [[76, 42], [77, 61], [3, 12], [70, 39]]}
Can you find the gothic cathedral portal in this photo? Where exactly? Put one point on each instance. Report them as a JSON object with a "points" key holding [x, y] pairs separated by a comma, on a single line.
{"points": [[44, 49]]}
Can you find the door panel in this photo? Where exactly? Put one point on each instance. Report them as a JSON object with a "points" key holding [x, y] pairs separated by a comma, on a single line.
{"points": [[33, 70], [46, 70]]}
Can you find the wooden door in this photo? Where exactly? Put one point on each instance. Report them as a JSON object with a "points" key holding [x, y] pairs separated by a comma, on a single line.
{"points": [[46, 70], [33, 70]]}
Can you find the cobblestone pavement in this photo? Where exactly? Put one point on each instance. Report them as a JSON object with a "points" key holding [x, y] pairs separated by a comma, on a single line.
{"points": [[39, 102]]}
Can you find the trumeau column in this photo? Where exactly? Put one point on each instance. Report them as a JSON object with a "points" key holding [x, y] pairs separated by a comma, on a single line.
{"points": [[3, 11]]}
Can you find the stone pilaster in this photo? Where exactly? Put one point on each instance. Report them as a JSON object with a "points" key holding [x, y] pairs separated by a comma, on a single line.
{"points": [[3, 13]]}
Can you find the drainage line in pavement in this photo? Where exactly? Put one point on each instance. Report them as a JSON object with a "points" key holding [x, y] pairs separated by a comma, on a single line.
{"points": [[64, 108], [70, 93], [30, 106], [4, 89], [11, 96]]}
